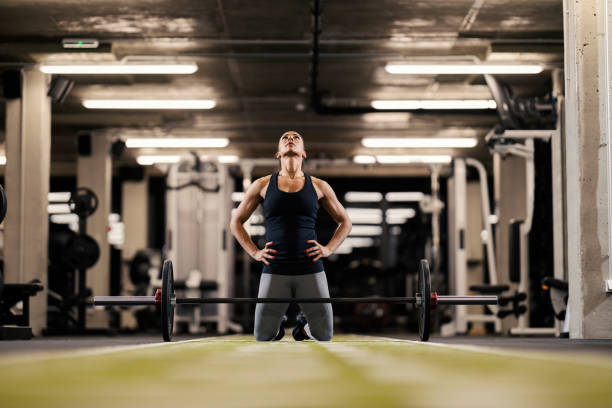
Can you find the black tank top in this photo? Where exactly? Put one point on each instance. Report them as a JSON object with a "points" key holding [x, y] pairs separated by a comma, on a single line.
{"points": [[290, 222]]}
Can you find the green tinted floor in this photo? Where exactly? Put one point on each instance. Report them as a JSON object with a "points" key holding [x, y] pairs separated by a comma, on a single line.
{"points": [[351, 371]]}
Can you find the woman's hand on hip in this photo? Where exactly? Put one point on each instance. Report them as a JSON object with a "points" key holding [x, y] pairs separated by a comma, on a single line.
{"points": [[318, 251], [265, 253]]}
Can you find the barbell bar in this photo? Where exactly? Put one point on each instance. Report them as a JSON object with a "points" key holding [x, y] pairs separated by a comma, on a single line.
{"points": [[152, 301], [166, 300]]}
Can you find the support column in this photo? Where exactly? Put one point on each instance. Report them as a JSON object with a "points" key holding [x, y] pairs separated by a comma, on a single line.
{"points": [[28, 151], [587, 140], [95, 172], [247, 179], [134, 213]]}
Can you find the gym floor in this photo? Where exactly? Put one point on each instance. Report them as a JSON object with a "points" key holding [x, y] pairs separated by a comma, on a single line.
{"points": [[352, 371]]}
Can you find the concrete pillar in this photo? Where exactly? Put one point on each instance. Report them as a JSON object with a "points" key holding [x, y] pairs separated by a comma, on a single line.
{"points": [[134, 213], [95, 172], [510, 206], [28, 151], [587, 140]]}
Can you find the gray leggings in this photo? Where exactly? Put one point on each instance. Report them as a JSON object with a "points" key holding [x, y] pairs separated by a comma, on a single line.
{"points": [[269, 315]]}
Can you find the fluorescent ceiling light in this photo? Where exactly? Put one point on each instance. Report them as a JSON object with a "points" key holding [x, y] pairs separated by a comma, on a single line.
{"points": [[363, 197], [228, 159], [65, 218], [359, 242], [120, 69], [345, 249], [221, 159], [401, 212], [177, 142], [254, 219], [404, 196], [365, 219], [257, 219], [396, 220], [58, 209], [59, 197], [399, 159], [2, 160], [365, 215], [399, 215], [366, 230], [463, 69], [435, 104], [237, 196], [147, 160], [402, 159], [363, 211], [149, 103], [80, 43], [420, 142], [258, 230], [364, 159]]}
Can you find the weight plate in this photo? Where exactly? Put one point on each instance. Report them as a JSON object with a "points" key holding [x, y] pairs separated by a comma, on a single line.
{"points": [[83, 202], [139, 268], [424, 306], [83, 252], [2, 203], [167, 308]]}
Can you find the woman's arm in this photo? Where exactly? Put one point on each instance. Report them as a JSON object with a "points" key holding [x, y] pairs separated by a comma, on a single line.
{"points": [[330, 202], [246, 208]]}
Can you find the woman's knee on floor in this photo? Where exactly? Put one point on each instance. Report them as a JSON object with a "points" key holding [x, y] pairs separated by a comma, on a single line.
{"points": [[321, 329], [265, 330]]}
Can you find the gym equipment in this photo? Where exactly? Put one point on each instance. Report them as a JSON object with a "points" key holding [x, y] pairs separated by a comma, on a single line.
{"points": [[83, 202], [83, 252], [139, 268], [14, 326], [166, 300], [463, 238], [198, 211], [71, 251], [521, 124], [425, 305], [559, 291]]}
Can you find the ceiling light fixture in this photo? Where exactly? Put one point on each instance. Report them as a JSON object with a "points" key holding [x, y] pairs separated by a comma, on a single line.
{"points": [[59, 196], [406, 159], [149, 103], [364, 159], [366, 230], [120, 69], [238, 196], [177, 142], [365, 215], [420, 142], [58, 209], [401, 212], [80, 43], [462, 69], [434, 104], [148, 160], [403, 159], [404, 196], [228, 159], [363, 197]]}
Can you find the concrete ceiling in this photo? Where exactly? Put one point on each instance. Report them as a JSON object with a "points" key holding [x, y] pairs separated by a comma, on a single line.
{"points": [[254, 59]]}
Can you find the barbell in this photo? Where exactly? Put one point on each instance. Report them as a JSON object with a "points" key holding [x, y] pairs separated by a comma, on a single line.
{"points": [[166, 300]]}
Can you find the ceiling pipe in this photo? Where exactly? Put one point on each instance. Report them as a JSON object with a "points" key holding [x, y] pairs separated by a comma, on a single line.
{"points": [[316, 95]]}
